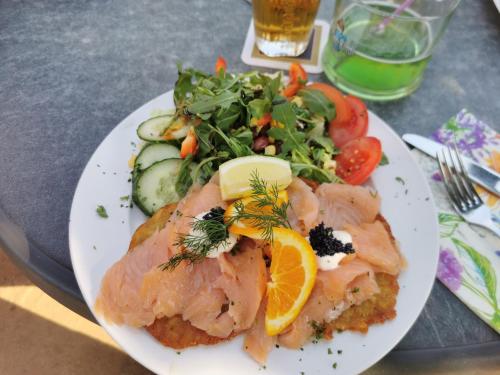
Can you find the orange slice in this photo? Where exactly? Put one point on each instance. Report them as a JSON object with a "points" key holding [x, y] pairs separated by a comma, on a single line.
{"points": [[293, 272], [244, 227]]}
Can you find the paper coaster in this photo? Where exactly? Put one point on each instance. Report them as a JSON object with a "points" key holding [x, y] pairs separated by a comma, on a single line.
{"points": [[310, 59]]}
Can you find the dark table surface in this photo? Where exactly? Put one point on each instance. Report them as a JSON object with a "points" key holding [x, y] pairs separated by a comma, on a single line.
{"points": [[72, 70]]}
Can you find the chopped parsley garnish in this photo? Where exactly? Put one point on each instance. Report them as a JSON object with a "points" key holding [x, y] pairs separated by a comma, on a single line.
{"points": [[324, 242], [334, 365], [125, 198], [355, 290], [319, 329], [384, 160], [400, 180], [101, 211], [330, 351]]}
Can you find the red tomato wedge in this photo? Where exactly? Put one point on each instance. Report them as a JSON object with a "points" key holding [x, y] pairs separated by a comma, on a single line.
{"points": [[358, 159], [297, 74], [355, 127], [342, 109], [220, 64]]}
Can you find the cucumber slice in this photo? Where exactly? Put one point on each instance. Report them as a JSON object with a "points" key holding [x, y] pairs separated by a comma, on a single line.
{"points": [[152, 129], [155, 186], [153, 153]]}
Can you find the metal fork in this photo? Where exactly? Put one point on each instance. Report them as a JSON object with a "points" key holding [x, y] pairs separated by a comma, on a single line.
{"points": [[463, 196]]}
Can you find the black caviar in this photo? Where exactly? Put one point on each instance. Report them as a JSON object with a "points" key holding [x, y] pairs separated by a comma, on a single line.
{"points": [[216, 213], [324, 243]]}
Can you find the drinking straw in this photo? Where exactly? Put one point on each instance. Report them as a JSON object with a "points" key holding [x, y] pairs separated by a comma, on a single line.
{"points": [[400, 9]]}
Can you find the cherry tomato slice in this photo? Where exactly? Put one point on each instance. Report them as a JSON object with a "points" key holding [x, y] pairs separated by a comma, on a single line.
{"points": [[220, 64], [358, 159], [297, 74], [342, 109], [355, 127]]}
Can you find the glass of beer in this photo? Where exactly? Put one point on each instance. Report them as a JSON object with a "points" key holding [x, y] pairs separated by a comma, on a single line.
{"points": [[379, 49], [283, 27]]}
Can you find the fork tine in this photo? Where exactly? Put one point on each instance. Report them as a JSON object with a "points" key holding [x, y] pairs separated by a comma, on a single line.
{"points": [[445, 172], [468, 182], [466, 196], [465, 202]]}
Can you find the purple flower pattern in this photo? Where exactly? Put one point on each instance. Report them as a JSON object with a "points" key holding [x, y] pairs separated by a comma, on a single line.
{"points": [[449, 269], [471, 135]]}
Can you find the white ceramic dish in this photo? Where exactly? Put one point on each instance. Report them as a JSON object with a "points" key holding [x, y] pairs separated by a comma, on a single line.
{"points": [[96, 243]]}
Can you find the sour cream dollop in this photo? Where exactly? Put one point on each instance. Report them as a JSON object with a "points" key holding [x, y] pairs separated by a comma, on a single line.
{"points": [[330, 262], [223, 247]]}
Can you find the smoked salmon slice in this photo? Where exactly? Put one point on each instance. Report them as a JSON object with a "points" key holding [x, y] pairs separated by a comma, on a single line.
{"points": [[304, 206], [345, 204], [373, 244]]}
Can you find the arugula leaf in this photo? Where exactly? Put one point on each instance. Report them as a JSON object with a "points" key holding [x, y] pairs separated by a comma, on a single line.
{"points": [[313, 172], [258, 107], [203, 134], [237, 148], [325, 142], [184, 179], [272, 88], [225, 118], [289, 135], [210, 103], [182, 86], [318, 103], [244, 135]]}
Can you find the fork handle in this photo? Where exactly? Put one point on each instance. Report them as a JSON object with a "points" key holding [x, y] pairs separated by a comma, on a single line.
{"points": [[491, 225]]}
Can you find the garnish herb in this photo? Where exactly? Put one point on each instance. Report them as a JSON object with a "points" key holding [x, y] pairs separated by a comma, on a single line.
{"points": [[101, 211], [330, 351], [384, 160], [334, 365], [265, 212], [400, 180], [319, 329], [125, 198], [207, 235], [355, 290]]}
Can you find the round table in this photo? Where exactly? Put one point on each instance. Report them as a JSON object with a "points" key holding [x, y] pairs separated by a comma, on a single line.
{"points": [[72, 70]]}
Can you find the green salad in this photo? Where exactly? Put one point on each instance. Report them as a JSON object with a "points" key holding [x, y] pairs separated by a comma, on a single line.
{"points": [[219, 117]]}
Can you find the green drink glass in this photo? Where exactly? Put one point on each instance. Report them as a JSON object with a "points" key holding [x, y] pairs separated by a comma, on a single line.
{"points": [[378, 50]]}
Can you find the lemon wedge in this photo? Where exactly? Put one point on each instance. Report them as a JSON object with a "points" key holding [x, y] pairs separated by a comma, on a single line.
{"points": [[235, 174]]}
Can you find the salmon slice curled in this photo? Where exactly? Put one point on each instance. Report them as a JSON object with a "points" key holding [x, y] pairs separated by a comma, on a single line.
{"points": [[341, 205], [373, 244], [304, 206], [258, 344]]}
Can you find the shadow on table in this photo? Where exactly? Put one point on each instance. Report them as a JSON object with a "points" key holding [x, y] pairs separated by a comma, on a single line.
{"points": [[31, 344]]}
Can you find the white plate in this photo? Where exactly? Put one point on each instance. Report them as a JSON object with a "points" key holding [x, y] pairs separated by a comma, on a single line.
{"points": [[408, 207]]}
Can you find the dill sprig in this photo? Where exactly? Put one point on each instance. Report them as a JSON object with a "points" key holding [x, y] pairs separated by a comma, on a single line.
{"points": [[265, 211], [206, 235]]}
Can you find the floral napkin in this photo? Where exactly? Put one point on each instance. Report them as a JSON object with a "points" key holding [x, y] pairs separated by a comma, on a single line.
{"points": [[469, 259]]}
